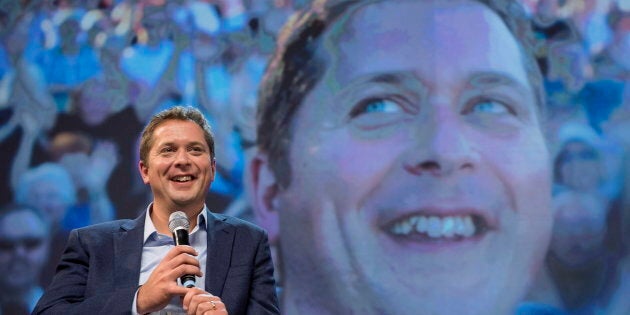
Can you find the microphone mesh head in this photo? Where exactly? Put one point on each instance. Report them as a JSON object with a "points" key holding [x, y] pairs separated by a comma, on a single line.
{"points": [[178, 219]]}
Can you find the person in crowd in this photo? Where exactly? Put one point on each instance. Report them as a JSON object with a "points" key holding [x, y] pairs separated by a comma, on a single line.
{"points": [[24, 246], [155, 62], [578, 163], [50, 189], [583, 254], [585, 162], [612, 62], [69, 64], [569, 64], [111, 152], [30, 110], [229, 257], [562, 107], [402, 165], [90, 165], [550, 25]]}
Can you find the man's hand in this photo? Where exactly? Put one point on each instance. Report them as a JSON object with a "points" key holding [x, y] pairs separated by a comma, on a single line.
{"points": [[161, 286], [199, 302]]}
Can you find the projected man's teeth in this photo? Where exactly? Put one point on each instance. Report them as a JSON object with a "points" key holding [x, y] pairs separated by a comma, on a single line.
{"points": [[436, 227]]}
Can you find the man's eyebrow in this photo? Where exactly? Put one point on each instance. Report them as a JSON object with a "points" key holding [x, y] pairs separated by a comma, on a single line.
{"points": [[401, 78], [193, 143], [389, 78], [497, 79], [197, 144], [491, 79]]}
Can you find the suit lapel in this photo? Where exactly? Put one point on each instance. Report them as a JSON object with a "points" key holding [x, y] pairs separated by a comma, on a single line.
{"points": [[128, 252], [220, 241]]}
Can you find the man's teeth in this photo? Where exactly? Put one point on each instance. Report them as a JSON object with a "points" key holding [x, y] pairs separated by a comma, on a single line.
{"points": [[436, 227], [182, 178]]}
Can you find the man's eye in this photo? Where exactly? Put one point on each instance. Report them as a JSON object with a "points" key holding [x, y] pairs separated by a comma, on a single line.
{"points": [[167, 150], [488, 106], [376, 105]]}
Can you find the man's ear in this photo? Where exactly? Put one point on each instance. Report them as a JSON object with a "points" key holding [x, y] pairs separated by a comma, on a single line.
{"points": [[144, 172], [264, 195]]}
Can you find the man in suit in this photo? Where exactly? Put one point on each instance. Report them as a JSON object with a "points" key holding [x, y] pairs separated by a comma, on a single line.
{"points": [[132, 266]]}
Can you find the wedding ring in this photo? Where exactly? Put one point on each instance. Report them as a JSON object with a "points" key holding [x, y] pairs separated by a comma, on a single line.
{"points": [[214, 306]]}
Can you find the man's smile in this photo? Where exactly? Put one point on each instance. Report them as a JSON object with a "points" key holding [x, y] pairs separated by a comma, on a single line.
{"points": [[427, 227], [431, 224], [182, 178]]}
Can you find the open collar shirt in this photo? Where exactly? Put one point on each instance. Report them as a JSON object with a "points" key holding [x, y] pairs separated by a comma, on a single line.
{"points": [[155, 247]]}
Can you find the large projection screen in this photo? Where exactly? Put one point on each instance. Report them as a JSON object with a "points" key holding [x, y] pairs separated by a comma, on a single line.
{"points": [[404, 157]]}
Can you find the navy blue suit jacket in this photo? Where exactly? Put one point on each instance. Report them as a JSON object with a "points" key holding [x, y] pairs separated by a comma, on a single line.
{"points": [[100, 269]]}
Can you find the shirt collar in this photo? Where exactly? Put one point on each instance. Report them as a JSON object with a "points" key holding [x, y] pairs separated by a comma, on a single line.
{"points": [[149, 227]]}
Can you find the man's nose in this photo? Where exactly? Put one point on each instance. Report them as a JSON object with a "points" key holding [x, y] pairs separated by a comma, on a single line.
{"points": [[182, 157], [441, 146]]}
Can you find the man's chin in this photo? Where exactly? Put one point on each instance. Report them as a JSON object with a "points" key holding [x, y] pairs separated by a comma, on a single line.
{"points": [[470, 303]]}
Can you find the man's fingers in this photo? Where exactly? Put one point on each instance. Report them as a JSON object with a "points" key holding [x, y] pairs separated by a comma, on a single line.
{"points": [[153, 297], [176, 258], [186, 270], [180, 249], [211, 307], [192, 292], [183, 259], [186, 302], [197, 301]]}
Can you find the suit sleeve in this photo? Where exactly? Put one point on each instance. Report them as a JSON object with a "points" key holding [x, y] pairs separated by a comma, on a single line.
{"points": [[263, 299], [67, 294]]}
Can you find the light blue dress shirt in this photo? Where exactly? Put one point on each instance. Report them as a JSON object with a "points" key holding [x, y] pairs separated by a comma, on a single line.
{"points": [[156, 246]]}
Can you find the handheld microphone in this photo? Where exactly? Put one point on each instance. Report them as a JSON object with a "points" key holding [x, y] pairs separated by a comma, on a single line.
{"points": [[178, 224]]}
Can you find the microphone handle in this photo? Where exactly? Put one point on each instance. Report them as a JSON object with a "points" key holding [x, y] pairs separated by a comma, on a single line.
{"points": [[180, 236]]}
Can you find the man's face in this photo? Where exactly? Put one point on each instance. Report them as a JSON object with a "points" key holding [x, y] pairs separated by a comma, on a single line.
{"points": [[420, 176], [179, 166], [23, 250]]}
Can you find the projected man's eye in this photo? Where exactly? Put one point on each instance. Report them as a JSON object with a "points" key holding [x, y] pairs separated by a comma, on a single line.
{"points": [[489, 106], [376, 105]]}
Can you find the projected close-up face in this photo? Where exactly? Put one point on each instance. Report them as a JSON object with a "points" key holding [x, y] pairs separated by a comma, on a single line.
{"points": [[420, 177]]}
